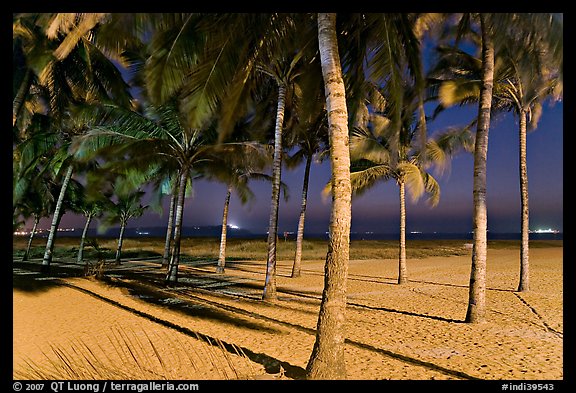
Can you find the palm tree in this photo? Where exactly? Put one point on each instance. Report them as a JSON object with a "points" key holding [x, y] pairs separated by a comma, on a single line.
{"points": [[84, 74], [370, 47], [527, 91], [239, 169], [159, 141], [535, 75], [327, 358], [476, 311], [493, 92], [159, 132], [31, 238], [218, 71], [477, 289], [222, 252], [34, 150], [373, 147], [310, 135], [169, 227], [528, 71], [127, 206], [36, 202], [284, 67], [90, 209], [238, 182]]}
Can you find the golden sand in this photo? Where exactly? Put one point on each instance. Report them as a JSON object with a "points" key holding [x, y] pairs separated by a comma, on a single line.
{"points": [[216, 327]]}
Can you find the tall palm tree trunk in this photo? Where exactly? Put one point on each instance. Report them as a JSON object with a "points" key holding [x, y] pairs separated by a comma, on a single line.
{"points": [[402, 270], [120, 241], [45, 268], [477, 290], [172, 275], [270, 281], [80, 257], [524, 284], [222, 255], [21, 95], [27, 253], [327, 358], [296, 267], [169, 231]]}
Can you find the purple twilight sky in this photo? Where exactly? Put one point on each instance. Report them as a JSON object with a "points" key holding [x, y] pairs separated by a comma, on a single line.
{"points": [[378, 209]]}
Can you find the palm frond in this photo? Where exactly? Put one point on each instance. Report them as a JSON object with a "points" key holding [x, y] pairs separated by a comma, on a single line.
{"points": [[294, 160], [74, 27], [174, 50], [458, 91], [418, 182], [447, 143], [432, 189], [365, 175], [411, 175], [364, 145], [39, 146]]}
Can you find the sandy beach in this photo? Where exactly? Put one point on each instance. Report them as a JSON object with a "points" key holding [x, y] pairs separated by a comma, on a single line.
{"points": [[216, 327]]}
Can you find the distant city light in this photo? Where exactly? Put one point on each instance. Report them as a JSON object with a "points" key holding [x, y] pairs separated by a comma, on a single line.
{"points": [[27, 232], [234, 226], [548, 230]]}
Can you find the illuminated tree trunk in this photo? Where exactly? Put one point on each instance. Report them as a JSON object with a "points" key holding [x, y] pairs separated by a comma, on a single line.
{"points": [[80, 257], [45, 268], [222, 255], [270, 281], [477, 290], [169, 231], [120, 241], [27, 253], [402, 270], [524, 284], [172, 275], [327, 358], [296, 267]]}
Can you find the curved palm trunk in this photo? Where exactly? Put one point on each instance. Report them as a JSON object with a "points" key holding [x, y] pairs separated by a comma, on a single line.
{"points": [[477, 291], [45, 268], [80, 257], [21, 95], [327, 358], [27, 253], [524, 284], [296, 268], [222, 255], [270, 281], [120, 241], [402, 270], [172, 275], [169, 231]]}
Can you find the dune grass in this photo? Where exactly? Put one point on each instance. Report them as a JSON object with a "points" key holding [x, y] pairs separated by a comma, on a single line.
{"points": [[206, 249]]}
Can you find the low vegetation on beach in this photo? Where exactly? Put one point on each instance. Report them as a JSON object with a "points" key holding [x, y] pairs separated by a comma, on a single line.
{"points": [[206, 249]]}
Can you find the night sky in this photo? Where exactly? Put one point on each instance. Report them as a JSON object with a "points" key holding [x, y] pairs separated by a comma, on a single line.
{"points": [[377, 210]]}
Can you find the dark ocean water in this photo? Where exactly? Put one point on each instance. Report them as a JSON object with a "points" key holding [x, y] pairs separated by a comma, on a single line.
{"points": [[214, 232], [453, 236], [442, 236]]}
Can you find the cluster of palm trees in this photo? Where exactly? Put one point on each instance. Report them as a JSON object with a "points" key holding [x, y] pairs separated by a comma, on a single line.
{"points": [[116, 102]]}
